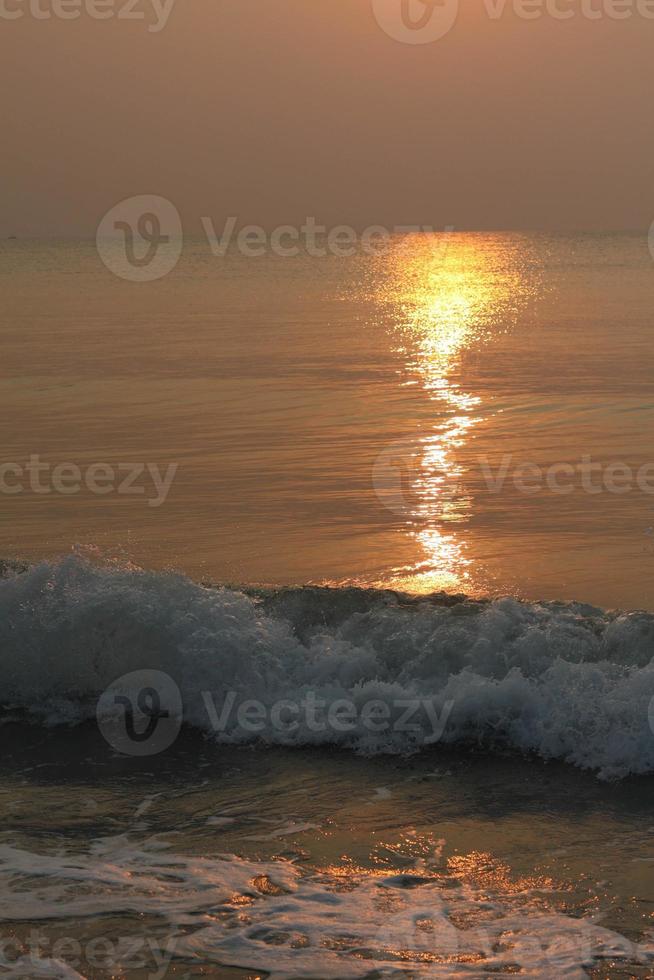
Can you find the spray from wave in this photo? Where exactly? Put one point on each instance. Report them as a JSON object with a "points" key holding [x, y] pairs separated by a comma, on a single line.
{"points": [[565, 681]]}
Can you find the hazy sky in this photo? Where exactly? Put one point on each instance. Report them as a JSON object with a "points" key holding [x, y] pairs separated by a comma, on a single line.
{"points": [[273, 110]]}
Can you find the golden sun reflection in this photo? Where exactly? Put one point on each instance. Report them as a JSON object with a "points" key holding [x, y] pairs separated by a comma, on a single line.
{"points": [[449, 293], [431, 909]]}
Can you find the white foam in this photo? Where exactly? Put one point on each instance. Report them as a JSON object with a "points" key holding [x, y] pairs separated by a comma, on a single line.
{"points": [[565, 681], [338, 922]]}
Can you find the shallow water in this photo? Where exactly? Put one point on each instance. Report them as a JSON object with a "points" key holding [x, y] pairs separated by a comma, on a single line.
{"points": [[444, 865]]}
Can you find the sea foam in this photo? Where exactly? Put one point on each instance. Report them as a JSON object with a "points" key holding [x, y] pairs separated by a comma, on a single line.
{"points": [[565, 681], [297, 922]]}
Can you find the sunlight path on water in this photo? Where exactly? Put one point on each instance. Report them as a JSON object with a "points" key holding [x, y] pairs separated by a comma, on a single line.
{"points": [[451, 295]]}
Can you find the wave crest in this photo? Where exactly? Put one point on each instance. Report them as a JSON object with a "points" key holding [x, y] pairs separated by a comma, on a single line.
{"points": [[563, 680]]}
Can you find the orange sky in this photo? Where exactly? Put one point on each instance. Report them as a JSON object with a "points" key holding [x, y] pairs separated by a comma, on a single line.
{"points": [[273, 110]]}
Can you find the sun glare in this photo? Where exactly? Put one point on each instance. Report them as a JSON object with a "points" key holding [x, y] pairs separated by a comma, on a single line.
{"points": [[448, 295]]}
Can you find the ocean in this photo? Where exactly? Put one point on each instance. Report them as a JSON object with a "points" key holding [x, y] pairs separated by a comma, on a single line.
{"points": [[325, 612]]}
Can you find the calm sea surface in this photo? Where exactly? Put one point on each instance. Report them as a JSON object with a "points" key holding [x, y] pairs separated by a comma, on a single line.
{"points": [[343, 419]]}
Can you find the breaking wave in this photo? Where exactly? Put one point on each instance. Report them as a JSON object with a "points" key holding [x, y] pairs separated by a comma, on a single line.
{"points": [[565, 681]]}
